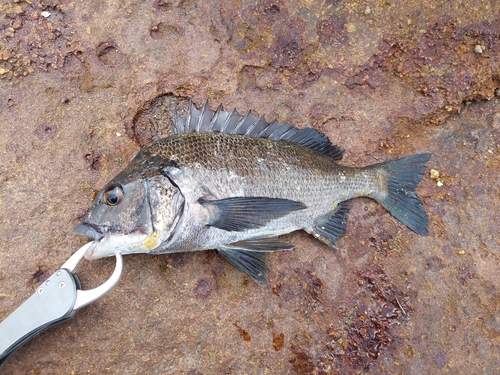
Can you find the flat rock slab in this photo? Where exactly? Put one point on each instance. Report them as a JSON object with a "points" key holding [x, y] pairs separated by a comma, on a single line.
{"points": [[83, 85]]}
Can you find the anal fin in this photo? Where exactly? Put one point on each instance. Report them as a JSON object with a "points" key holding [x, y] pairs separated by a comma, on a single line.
{"points": [[253, 263], [334, 226], [242, 213]]}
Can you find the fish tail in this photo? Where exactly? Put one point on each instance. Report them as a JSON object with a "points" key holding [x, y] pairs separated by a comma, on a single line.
{"points": [[399, 197]]}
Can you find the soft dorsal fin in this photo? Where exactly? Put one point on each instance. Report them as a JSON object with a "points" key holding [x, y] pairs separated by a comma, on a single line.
{"points": [[206, 120]]}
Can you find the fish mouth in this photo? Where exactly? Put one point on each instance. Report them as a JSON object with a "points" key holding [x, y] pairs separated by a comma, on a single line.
{"points": [[92, 231], [89, 230]]}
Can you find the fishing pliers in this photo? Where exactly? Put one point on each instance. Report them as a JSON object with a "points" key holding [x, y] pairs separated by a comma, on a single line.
{"points": [[56, 300]]}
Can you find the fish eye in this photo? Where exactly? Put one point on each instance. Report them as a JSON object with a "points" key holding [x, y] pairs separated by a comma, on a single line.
{"points": [[113, 196]]}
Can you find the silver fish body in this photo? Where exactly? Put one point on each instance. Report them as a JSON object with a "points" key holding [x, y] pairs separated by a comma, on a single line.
{"points": [[235, 183]]}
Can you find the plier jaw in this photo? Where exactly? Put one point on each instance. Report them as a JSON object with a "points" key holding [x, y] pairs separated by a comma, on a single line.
{"points": [[57, 299]]}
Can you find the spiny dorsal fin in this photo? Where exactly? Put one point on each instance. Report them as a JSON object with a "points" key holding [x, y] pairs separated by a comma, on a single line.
{"points": [[206, 120]]}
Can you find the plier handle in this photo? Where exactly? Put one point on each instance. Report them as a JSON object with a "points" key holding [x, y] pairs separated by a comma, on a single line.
{"points": [[57, 299]]}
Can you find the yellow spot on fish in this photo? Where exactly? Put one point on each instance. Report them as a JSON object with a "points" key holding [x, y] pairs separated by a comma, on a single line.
{"points": [[152, 241]]}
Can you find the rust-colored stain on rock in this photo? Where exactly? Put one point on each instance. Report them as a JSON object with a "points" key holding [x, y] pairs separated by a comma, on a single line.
{"points": [[278, 341], [245, 335], [84, 85], [370, 331]]}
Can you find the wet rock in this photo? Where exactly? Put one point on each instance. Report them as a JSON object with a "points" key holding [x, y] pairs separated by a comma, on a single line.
{"points": [[381, 84]]}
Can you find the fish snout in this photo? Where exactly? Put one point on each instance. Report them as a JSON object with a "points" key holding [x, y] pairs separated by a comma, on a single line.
{"points": [[91, 231]]}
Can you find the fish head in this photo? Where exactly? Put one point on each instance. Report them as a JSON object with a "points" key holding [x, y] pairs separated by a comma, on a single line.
{"points": [[131, 216]]}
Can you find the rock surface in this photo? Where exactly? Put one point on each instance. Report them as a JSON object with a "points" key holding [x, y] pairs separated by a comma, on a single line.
{"points": [[84, 84]]}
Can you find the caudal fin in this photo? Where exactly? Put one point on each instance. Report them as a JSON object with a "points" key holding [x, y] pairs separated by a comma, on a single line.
{"points": [[400, 199]]}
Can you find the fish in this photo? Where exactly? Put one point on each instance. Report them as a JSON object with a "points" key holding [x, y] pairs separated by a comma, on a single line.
{"points": [[236, 183]]}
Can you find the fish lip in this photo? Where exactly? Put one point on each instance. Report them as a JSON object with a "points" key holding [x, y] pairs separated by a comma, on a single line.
{"points": [[89, 230]]}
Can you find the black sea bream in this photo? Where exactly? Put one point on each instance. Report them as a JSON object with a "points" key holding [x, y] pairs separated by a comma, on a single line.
{"points": [[236, 183]]}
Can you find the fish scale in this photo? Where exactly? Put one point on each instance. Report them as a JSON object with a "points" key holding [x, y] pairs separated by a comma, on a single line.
{"points": [[215, 159], [217, 153]]}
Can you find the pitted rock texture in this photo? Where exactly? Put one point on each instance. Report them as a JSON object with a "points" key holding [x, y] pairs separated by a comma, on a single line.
{"points": [[84, 85]]}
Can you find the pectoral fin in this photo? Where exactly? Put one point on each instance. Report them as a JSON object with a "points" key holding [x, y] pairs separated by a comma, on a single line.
{"points": [[253, 263], [242, 213]]}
